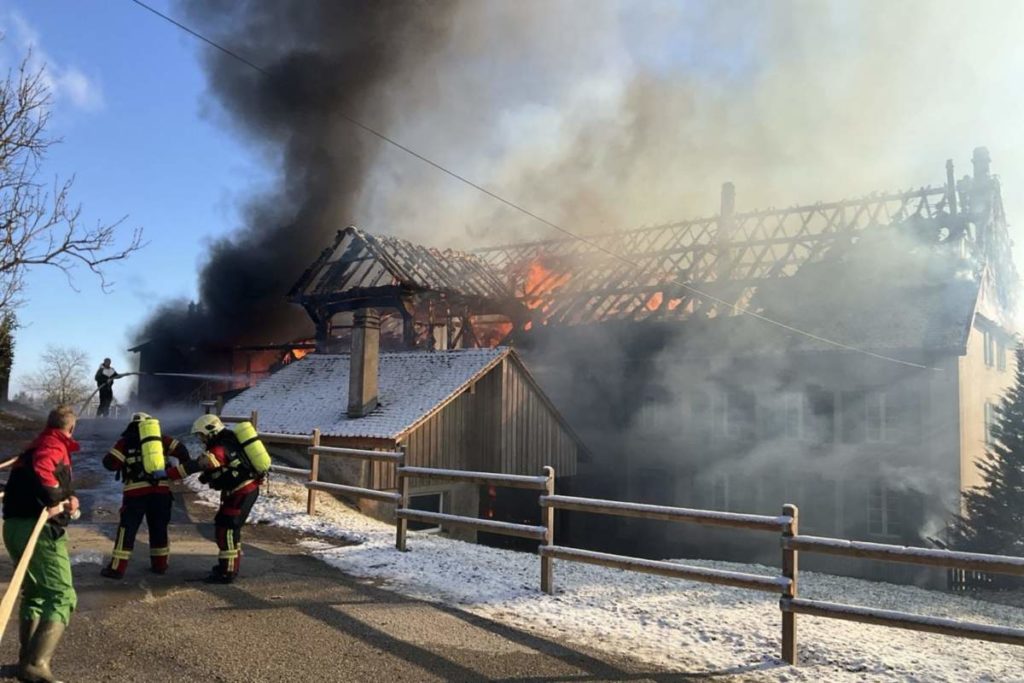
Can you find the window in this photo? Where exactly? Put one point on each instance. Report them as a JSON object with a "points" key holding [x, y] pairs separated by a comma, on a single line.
{"points": [[874, 417], [989, 342], [819, 420], [426, 502], [1001, 355], [853, 416], [884, 510], [732, 413], [991, 420]]}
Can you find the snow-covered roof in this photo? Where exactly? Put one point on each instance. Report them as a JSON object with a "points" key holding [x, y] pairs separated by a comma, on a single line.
{"points": [[313, 392]]}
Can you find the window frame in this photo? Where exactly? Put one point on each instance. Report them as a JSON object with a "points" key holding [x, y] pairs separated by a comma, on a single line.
{"points": [[887, 509], [442, 500]]}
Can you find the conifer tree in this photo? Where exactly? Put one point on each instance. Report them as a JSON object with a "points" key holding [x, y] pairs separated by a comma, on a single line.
{"points": [[992, 520]]}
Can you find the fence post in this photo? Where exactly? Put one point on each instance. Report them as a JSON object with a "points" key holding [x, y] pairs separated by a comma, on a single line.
{"points": [[547, 516], [220, 405], [401, 525], [254, 417], [314, 472], [790, 570]]}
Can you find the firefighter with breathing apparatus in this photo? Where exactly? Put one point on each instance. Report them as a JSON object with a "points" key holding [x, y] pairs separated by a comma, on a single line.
{"points": [[140, 460], [234, 463]]}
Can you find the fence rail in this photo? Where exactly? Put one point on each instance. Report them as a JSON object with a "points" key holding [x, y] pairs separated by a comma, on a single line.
{"points": [[666, 513], [363, 454], [312, 473], [915, 622], [358, 491], [518, 481], [537, 533], [932, 557], [281, 469], [757, 582], [287, 439]]}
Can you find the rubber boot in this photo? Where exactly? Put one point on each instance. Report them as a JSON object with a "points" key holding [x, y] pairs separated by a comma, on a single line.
{"points": [[44, 644], [26, 630]]}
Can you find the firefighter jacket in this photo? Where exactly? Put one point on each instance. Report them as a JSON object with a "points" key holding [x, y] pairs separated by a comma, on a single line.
{"points": [[41, 478], [104, 377], [125, 457], [225, 467]]}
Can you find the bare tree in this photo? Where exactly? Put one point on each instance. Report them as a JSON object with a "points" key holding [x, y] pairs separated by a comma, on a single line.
{"points": [[40, 225], [63, 378]]}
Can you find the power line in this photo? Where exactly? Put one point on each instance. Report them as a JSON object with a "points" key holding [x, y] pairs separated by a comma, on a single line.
{"points": [[540, 219]]}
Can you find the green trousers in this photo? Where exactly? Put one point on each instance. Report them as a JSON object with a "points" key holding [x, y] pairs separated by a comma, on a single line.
{"points": [[47, 593]]}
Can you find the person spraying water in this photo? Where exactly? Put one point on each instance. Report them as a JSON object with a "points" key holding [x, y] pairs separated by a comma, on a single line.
{"points": [[105, 377]]}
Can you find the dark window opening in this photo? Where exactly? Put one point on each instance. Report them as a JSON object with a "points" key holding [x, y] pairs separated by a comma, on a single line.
{"points": [[427, 502]]}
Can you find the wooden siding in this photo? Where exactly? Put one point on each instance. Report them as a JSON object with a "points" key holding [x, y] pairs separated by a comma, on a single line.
{"points": [[500, 425], [531, 434]]}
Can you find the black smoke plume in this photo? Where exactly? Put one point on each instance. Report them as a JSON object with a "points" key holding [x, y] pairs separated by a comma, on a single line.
{"points": [[320, 61]]}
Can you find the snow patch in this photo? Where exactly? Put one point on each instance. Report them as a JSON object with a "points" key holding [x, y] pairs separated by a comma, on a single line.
{"points": [[676, 624]]}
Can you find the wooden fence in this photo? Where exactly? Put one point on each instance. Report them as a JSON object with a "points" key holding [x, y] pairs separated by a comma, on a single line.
{"points": [[404, 515], [786, 583]]}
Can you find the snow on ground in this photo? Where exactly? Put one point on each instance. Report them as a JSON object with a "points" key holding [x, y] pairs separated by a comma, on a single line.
{"points": [[679, 625]]}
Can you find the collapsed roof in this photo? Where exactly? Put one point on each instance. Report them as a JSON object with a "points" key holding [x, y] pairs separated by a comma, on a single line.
{"points": [[704, 268]]}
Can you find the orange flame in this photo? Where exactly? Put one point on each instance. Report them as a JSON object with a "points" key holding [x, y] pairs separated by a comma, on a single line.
{"points": [[300, 353], [541, 280], [655, 301]]}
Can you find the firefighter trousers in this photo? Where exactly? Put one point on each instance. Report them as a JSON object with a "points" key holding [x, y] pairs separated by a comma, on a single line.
{"points": [[234, 510], [156, 509]]}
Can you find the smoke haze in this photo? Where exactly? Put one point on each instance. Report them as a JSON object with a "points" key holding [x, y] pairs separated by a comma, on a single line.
{"points": [[597, 115]]}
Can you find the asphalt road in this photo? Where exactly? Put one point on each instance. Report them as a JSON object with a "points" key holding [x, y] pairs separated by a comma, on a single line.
{"points": [[289, 618]]}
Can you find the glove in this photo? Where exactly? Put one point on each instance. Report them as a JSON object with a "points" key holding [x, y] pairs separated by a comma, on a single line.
{"points": [[158, 474]]}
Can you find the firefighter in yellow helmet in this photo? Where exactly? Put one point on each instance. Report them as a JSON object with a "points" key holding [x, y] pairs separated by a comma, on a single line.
{"points": [[146, 493], [228, 469]]}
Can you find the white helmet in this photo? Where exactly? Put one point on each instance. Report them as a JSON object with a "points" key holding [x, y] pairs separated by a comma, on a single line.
{"points": [[207, 425]]}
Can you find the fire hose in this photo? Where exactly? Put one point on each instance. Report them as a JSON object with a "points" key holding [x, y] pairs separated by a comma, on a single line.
{"points": [[110, 381]]}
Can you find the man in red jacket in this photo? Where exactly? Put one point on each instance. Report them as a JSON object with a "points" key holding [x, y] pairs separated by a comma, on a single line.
{"points": [[145, 496], [41, 479]]}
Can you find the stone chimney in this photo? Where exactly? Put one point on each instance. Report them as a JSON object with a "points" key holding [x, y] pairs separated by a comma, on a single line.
{"points": [[365, 357]]}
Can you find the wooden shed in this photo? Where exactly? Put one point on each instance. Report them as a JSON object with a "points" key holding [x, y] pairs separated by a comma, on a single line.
{"points": [[472, 409]]}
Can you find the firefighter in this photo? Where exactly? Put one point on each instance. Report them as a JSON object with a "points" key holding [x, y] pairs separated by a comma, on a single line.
{"points": [[105, 377], [227, 469], [146, 495]]}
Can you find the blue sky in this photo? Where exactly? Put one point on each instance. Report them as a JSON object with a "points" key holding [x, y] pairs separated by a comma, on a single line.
{"points": [[129, 105]]}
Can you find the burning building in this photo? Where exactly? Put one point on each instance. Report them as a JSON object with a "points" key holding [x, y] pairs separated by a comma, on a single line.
{"points": [[845, 356]]}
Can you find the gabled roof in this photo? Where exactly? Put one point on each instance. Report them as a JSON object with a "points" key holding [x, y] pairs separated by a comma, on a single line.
{"points": [[312, 392], [360, 261]]}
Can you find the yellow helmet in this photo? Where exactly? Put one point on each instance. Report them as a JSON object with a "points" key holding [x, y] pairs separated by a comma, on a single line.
{"points": [[207, 425]]}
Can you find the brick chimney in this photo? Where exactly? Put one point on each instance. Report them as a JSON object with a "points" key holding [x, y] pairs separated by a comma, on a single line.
{"points": [[365, 357]]}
